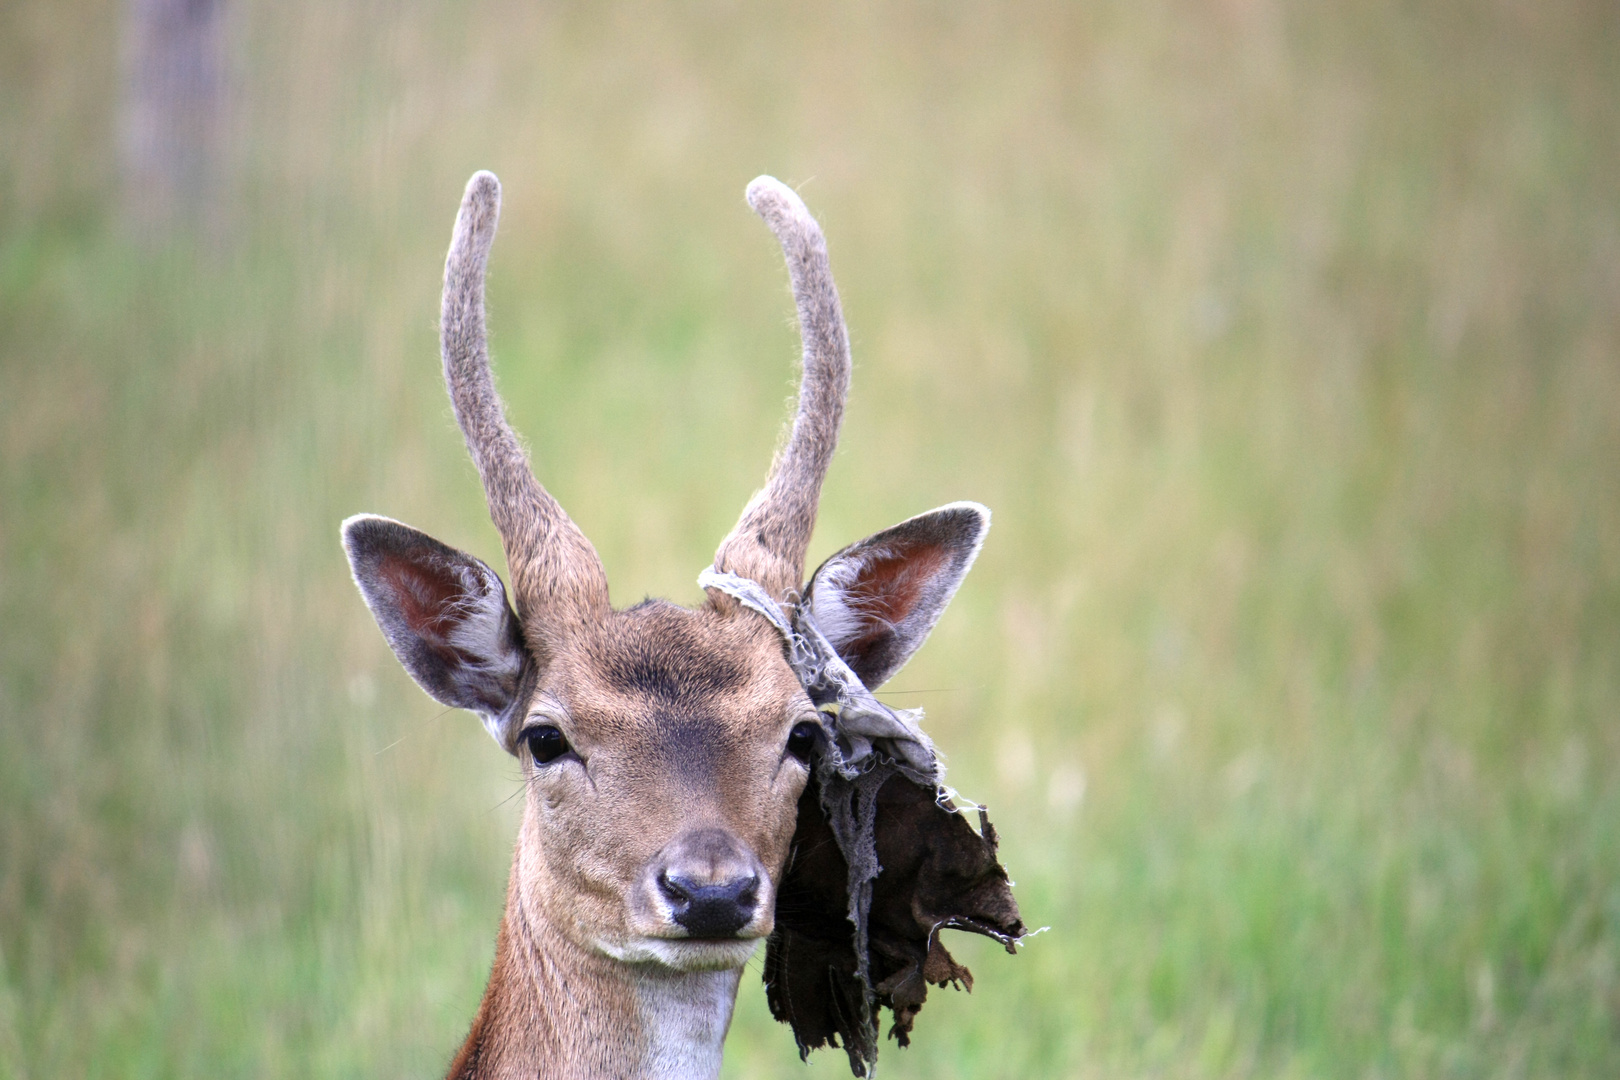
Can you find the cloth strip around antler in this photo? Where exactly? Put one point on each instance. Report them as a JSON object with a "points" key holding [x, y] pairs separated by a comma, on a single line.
{"points": [[882, 860]]}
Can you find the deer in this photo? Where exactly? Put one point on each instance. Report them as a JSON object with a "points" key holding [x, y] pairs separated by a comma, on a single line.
{"points": [[667, 753]]}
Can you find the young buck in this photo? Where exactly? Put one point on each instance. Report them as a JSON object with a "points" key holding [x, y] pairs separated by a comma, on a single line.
{"points": [[664, 750]]}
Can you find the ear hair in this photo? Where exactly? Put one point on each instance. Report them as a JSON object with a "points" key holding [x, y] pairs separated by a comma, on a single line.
{"points": [[877, 600], [445, 615]]}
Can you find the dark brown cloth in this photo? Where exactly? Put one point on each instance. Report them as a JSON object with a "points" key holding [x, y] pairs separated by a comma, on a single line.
{"points": [[937, 874]]}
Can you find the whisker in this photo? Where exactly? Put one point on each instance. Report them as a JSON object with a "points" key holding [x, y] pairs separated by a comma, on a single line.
{"points": [[415, 729], [522, 787]]}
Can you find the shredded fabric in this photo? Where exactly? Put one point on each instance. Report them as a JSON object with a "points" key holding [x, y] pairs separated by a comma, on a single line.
{"points": [[882, 860]]}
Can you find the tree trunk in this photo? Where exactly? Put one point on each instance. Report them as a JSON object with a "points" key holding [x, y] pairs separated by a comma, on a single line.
{"points": [[173, 116]]}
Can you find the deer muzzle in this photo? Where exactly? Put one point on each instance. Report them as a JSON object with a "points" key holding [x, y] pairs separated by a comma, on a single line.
{"points": [[708, 885]]}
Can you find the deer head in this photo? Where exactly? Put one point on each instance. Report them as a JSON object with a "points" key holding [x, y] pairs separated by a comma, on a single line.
{"points": [[664, 749]]}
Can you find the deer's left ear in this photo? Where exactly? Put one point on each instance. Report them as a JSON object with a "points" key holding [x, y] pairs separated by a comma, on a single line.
{"points": [[877, 600]]}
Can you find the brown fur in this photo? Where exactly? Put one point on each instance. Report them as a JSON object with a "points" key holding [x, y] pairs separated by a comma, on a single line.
{"points": [[676, 785], [653, 766], [677, 720]]}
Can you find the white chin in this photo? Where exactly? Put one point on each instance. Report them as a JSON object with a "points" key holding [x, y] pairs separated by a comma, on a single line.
{"points": [[684, 954]]}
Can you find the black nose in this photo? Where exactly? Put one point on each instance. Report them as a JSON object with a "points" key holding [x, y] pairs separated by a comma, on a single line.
{"points": [[711, 911]]}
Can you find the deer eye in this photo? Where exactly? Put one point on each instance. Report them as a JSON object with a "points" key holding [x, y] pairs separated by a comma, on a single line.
{"points": [[802, 739], [546, 743]]}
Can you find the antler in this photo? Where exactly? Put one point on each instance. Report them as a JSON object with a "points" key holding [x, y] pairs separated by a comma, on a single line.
{"points": [[770, 538], [557, 578]]}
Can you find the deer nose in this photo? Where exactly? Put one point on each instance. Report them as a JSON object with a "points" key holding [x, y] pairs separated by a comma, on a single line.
{"points": [[711, 911], [709, 883]]}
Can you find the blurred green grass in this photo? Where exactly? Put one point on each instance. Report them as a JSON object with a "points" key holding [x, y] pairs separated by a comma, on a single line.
{"points": [[1283, 340]]}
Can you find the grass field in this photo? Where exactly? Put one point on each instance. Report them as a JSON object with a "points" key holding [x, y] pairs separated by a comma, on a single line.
{"points": [[1283, 340]]}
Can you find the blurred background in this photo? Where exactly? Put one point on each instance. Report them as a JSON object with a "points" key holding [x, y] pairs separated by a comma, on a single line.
{"points": [[1283, 340]]}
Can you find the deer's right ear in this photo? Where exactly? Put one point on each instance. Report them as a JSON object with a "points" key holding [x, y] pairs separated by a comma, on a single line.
{"points": [[446, 617]]}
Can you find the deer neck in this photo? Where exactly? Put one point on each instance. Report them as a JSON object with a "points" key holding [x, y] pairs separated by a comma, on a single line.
{"points": [[555, 1009]]}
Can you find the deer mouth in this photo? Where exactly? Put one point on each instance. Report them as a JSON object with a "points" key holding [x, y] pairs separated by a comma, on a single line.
{"points": [[686, 953]]}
